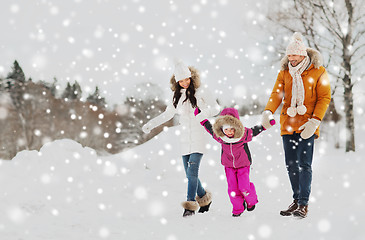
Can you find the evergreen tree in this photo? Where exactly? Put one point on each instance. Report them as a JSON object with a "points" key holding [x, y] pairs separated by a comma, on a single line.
{"points": [[96, 99], [76, 91], [72, 92], [53, 87], [15, 84], [16, 87], [17, 73], [67, 93]]}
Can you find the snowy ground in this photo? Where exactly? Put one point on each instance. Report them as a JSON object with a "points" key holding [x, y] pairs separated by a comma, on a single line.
{"points": [[66, 191]]}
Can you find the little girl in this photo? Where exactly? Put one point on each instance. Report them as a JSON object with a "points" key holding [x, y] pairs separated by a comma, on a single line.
{"points": [[236, 158]]}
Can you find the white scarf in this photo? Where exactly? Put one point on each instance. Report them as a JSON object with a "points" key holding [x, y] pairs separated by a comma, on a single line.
{"points": [[297, 96]]}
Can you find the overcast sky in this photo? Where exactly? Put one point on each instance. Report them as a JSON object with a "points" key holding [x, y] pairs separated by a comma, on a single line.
{"points": [[116, 44]]}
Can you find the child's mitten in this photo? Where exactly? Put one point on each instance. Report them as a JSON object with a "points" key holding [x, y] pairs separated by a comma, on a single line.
{"points": [[267, 119], [146, 128]]}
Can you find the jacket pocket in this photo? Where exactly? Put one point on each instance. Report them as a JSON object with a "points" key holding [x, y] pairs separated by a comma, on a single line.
{"points": [[309, 88]]}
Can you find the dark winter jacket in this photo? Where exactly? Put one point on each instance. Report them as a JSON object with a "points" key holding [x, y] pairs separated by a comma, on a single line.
{"points": [[235, 151]]}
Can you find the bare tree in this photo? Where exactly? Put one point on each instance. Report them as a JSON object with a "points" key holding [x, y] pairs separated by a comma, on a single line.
{"points": [[337, 29]]}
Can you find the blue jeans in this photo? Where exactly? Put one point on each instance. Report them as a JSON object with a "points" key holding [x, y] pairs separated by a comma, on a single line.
{"points": [[298, 159], [191, 165]]}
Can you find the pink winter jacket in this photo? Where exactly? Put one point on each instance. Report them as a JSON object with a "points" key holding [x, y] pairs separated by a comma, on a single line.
{"points": [[235, 151]]}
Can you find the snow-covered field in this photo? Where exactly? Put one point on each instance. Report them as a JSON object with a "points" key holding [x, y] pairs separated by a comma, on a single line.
{"points": [[66, 192]]}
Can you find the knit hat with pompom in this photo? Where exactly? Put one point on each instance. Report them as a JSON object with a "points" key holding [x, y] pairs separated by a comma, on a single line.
{"points": [[296, 46]]}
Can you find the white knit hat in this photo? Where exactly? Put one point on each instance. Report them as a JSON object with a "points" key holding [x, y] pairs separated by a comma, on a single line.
{"points": [[296, 46], [226, 126], [181, 71]]}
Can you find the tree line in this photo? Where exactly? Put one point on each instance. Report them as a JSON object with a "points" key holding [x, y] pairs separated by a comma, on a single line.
{"points": [[35, 113]]}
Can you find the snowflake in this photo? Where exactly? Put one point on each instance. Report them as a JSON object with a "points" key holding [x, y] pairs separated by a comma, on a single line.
{"points": [[104, 232], [324, 225], [140, 193], [265, 231], [156, 208], [16, 215], [55, 212]]}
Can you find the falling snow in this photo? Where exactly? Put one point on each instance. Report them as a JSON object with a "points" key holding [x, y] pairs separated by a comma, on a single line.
{"points": [[121, 194], [66, 191]]}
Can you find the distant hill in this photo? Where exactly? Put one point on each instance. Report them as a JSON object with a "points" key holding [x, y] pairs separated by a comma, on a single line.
{"points": [[31, 115]]}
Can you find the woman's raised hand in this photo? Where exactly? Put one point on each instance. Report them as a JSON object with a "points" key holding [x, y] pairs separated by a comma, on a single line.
{"points": [[147, 128]]}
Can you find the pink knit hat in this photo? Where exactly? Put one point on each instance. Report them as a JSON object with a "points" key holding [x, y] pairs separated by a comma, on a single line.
{"points": [[296, 46]]}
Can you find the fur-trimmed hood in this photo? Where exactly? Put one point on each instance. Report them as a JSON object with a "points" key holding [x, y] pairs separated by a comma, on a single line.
{"points": [[315, 57], [195, 79], [229, 116]]}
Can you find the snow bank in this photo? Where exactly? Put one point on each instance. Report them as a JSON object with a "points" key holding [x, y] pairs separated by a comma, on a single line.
{"points": [[66, 191]]}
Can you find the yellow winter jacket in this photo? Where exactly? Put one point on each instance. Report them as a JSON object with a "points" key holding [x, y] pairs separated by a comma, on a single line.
{"points": [[317, 94]]}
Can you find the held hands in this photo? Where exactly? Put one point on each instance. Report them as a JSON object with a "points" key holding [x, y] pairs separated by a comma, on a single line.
{"points": [[196, 112], [267, 119], [309, 128]]}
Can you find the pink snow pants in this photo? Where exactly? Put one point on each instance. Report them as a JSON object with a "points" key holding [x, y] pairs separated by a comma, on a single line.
{"points": [[240, 188]]}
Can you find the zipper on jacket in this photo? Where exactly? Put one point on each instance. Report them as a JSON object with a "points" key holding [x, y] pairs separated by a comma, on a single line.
{"points": [[232, 155], [190, 135], [190, 132]]}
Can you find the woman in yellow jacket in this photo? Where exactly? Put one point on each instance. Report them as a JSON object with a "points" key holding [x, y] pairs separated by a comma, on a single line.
{"points": [[304, 89]]}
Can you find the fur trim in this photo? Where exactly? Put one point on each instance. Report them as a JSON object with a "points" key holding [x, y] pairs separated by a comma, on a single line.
{"points": [[195, 79], [315, 57], [205, 200], [190, 205], [230, 120], [230, 140]]}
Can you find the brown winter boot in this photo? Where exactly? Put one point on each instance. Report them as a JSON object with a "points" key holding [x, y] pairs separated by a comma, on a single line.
{"points": [[292, 207], [204, 202], [301, 211], [189, 208]]}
